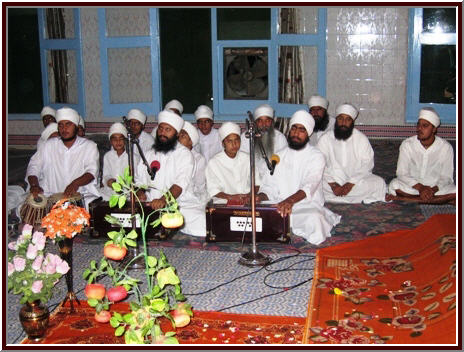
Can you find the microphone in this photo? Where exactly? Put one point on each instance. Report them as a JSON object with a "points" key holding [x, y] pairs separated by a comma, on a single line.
{"points": [[274, 161], [154, 166]]}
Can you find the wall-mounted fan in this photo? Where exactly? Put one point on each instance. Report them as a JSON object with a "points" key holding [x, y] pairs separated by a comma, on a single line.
{"points": [[245, 73]]}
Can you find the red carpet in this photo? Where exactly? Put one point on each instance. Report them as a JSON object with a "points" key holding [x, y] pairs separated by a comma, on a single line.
{"points": [[80, 327], [396, 288]]}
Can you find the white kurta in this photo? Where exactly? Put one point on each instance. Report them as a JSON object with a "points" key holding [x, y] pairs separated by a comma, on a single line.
{"points": [[351, 160], [314, 139], [176, 167], [431, 167], [113, 166], [199, 176], [231, 176], [57, 166], [280, 142], [302, 170], [146, 142], [209, 145]]}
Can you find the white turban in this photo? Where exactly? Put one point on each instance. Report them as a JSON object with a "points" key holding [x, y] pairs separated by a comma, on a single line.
{"points": [[303, 118], [228, 128], [192, 132], [263, 110], [47, 132], [47, 111], [203, 112], [430, 115], [81, 121], [117, 127], [347, 109], [174, 104], [136, 114], [67, 114], [172, 119], [317, 100]]}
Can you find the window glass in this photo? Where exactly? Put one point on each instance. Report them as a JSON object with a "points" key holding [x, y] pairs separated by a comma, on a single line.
{"points": [[127, 22], [59, 23], [129, 72], [438, 74], [439, 20], [186, 68], [243, 24], [24, 73], [246, 73], [303, 20], [62, 76]]}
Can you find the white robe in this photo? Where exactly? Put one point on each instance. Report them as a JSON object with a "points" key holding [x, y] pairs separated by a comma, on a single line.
{"points": [[57, 166], [113, 166], [209, 145], [316, 136], [302, 170], [280, 142], [199, 177], [146, 142], [351, 160], [176, 167], [431, 167], [231, 176]]}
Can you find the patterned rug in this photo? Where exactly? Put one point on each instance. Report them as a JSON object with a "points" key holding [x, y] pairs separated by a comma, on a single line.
{"points": [[80, 327], [398, 288]]}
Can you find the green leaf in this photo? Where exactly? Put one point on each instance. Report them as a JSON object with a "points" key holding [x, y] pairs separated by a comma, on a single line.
{"points": [[121, 201], [132, 235], [84, 274], [92, 302], [113, 200], [114, 322], [93, 265], [171, 341], [155, 223], [129, 180], [151, 271], [170, 333], [167, 276], [120, 331], [103, 264], [180, 297], [126, 173], [116, 187], [130, 242], [112, 220], [117, 316], [111, 234], [127, 317], [151, 261], [134, 306], [158, 304], [110, 270]]}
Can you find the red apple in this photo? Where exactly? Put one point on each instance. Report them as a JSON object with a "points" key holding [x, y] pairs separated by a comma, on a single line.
{"points": [[114, 251], [117, 293], [103, 317], [96, 291], [181, 319]]}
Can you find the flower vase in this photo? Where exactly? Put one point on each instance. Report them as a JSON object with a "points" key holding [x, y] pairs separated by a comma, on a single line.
{"points": [[66, 246], [34, 319]]}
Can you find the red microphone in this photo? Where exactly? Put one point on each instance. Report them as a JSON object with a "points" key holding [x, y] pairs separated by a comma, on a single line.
{"points": [[154, 166]]}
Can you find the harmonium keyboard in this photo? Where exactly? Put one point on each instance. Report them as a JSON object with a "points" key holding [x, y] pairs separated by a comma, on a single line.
{"points": [[98, 209], [233, 223]]}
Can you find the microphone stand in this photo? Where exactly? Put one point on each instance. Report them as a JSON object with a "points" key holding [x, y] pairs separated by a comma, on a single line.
{"points": [[253, 257], [133, 252]]}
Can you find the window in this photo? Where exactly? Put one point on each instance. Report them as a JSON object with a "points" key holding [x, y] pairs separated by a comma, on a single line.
{"points": [[432, 63]]}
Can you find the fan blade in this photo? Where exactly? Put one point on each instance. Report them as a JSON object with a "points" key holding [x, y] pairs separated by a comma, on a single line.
{"points": [[236, 82], [256, 86], [259, 68]]}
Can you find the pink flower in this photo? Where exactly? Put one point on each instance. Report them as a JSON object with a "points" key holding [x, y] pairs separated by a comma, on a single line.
{"points": [[50, 268], [19, 263], [37, 286], [62, 267], [27, 229], [38, 239], [11, 268], [31, 251], [13, 246], [37, 262], [21, 240]]}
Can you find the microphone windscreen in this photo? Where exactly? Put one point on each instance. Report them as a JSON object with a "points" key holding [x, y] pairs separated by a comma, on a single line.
{"points": [[155, 165], [275, 158]]}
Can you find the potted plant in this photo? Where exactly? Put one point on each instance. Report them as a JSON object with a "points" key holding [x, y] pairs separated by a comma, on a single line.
{"points": [[33, 273], [163, 298]]}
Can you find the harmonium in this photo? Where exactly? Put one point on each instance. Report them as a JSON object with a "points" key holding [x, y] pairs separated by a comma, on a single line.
{"points": [[98, 209], [233, 223]]}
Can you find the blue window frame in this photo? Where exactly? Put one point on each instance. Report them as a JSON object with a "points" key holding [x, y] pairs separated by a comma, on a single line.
{"points": [[447, 112], [74, 44], [152, 41]]}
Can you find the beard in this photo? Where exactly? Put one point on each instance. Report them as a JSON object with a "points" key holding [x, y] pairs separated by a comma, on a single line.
{"points": [[70, 138], [321, 123], [267, 139], [165, 146], [297, 145], [343, 133]]}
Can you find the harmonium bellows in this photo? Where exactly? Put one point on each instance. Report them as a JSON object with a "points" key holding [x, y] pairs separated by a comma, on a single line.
{"points": [[226, 223], [98, 209]]}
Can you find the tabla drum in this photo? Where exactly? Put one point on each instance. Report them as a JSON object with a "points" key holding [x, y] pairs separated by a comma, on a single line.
{"points": [[33, 210], [75, 199]]}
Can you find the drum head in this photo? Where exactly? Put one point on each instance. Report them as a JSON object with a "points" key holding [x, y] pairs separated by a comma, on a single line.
{"points": [[38, 202], [58, 196]]}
